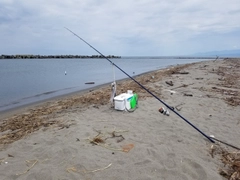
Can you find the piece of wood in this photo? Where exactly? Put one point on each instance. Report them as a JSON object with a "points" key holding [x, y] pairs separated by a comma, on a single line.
{"points": [[184, 85], [90, 83], [170, 83], [187, 94], [180, 72]]}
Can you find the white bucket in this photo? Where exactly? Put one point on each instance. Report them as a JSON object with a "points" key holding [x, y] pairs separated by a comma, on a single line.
{"points": [[122, 101]]}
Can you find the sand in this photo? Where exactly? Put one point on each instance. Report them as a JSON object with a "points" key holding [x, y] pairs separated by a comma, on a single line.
{"points": [[81, 136]]}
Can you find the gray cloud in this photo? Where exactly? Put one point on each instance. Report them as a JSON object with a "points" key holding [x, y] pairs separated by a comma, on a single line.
{"points": [[126, 27]]}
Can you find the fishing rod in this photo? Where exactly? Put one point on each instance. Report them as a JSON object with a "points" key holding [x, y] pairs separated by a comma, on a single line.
{"points": [[212, 137], [143, 87]]}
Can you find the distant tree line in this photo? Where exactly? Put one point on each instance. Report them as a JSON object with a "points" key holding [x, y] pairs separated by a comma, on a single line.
{"points": [[53, 56]]}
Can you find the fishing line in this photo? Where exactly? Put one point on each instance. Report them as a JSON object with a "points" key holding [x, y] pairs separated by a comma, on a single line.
{"points": [[212, 137], [144, 87]]}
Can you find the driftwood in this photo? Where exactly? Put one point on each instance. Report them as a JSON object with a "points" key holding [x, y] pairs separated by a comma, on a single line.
{"points": [[170, 83], [90, 83], [184, 85], [187, 94], [180, 72]]}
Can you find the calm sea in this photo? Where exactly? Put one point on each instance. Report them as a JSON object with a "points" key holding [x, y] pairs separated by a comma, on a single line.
{"points": [[24, 81]]}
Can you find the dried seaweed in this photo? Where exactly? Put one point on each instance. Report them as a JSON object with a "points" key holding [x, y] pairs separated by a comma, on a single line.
{"points": [[97, 140], [230, 160], [101, 140], [229, 82], [120, 137]]}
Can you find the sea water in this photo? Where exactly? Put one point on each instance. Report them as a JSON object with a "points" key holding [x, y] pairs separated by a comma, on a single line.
{"points": [[24, 81]]}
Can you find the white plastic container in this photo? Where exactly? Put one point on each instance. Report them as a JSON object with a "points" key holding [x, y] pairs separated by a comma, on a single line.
{"points": [[129, 91], [128, 98], [122, 101], [119, 102]]}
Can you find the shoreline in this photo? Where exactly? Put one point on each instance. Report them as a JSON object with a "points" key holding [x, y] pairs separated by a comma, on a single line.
{"points": [[86, 138], [21, 108], [14, 101]]}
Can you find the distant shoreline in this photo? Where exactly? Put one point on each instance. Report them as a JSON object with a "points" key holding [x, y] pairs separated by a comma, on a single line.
{"points": [[29, 56]]}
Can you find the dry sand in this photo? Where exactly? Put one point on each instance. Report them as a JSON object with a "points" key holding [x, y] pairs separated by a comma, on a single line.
{"points": [[82, 137]]}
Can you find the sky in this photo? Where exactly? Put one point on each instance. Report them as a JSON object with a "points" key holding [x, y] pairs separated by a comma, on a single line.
{"points": [[119, 27]]}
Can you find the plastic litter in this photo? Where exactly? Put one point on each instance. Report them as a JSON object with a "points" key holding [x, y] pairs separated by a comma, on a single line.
{"points": [[163, 111]]}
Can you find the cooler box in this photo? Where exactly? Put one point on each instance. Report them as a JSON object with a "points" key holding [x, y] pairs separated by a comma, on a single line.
{"points": [[122, 101]]}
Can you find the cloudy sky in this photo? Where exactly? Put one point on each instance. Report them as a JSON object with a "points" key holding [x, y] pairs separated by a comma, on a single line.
{"points": [[119, 27]]}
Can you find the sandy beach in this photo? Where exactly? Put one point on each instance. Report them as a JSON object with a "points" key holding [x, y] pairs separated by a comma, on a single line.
{"points": [[81, 136]]}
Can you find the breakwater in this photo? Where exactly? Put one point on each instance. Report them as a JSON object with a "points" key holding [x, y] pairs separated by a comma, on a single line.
{"points": [[54, 56]]}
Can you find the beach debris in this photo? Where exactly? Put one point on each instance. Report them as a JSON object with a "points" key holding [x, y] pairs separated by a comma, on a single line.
{"points": [[9, 155], [85, 171], [199, 78], [180, 72], [170, 83], [33, 162], [89, 82], [163, 111], [212, 150], [2, 160], [101, 139], [97, 140], [120, 137], [171, 92], [230, 160], [233, 101], [184, 85], [179, 108], [212, 137], [232, 95], [95, 106], [178, 69], [127, 147], [187, 94], [73, 169]]}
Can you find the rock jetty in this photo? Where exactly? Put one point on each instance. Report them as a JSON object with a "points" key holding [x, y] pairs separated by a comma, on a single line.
{"points": [[53, 56]]}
